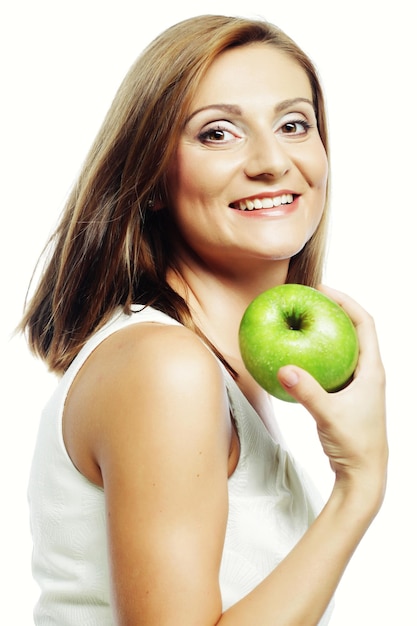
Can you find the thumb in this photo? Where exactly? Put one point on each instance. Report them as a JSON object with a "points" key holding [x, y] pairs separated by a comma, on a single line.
{"points": [[302, 387]]}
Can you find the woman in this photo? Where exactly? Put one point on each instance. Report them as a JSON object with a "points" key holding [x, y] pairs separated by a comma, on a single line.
{"points": [[161, 489]]}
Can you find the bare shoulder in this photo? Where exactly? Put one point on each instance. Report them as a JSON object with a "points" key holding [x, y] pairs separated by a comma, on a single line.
{"points": [[156, 357], [166, 343], [146, 373]]}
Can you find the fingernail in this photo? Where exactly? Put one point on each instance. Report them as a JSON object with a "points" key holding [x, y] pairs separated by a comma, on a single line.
{"points": [[289, 377]]}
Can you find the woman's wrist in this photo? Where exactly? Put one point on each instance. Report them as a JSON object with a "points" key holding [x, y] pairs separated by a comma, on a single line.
{"points": [[359, 495]]}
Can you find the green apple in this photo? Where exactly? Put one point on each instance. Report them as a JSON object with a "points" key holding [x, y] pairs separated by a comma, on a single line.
{"points": [[298, 325]]}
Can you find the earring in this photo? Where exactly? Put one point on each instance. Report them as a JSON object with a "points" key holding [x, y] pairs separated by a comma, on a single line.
{"points": [[151, 204]]}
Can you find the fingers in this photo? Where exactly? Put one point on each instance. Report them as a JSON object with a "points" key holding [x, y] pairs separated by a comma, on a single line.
{"points": [[303, 388], [365, 327], [357, 313], [351, 422]]}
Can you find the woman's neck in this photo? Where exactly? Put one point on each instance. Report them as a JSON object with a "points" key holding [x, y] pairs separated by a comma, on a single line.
{"points": [[217, 304], [218, 301]]}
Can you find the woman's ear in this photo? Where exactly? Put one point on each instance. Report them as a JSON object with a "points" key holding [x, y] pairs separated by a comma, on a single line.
{"points": [[155, 204]]}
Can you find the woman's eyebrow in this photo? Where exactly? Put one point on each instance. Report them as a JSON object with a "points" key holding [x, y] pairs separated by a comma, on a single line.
{"points": [[227, 108], [236, 110], [290, 102]]}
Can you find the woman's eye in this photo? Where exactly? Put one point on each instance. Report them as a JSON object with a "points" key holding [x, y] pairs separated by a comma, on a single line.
{"points": [[295, 127], [216, 134]]}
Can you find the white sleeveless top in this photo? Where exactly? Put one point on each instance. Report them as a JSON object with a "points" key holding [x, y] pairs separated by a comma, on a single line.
{"points": [[271, 505]]}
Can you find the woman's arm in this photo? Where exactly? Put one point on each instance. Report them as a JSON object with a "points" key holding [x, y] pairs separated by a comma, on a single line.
{"points": [[352, 429], [161, 441]]}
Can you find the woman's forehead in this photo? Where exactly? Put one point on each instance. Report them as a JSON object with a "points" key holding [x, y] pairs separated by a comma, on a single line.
{"points": [[249, 71]]}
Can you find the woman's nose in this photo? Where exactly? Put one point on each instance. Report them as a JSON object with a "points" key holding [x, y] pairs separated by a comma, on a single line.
{"points": [[267, 158]]}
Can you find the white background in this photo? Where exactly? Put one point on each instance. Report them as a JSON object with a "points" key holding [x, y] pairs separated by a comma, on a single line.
{"points": [[62, 62]]}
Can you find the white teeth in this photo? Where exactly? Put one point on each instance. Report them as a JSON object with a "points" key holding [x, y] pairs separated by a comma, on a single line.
{"points": [[266, 203]]}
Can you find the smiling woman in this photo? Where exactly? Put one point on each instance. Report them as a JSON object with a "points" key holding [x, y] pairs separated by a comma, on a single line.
{"points": [[251, 142], [162, 490]]}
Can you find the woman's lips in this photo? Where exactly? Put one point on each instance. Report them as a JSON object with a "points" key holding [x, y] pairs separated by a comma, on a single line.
{"points": [[279, 204]]}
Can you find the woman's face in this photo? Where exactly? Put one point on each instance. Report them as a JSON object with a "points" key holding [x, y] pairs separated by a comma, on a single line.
{"points": [[248, 182]]}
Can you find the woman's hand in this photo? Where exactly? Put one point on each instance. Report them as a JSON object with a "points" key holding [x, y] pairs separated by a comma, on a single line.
{"points": [[351, 422], [352, 430]]}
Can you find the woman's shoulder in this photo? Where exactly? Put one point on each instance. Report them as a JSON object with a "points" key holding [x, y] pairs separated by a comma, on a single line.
{"points": [[143, 334], [151, 355], [153, 346], [144, 374]]}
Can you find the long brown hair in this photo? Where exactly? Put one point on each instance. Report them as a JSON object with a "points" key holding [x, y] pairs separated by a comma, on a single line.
{"points": [[110, 249]]}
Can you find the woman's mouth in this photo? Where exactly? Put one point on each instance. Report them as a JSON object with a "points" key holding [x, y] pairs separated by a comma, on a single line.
{"points": [[253, 204]]}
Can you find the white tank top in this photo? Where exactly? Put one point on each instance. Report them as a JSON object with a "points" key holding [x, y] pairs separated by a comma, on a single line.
{"points": [[271, 505]]}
